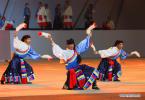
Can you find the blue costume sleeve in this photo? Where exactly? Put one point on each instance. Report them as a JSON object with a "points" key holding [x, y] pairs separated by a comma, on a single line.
{"points": [[33, 54], [83, 45], [123, 55]]}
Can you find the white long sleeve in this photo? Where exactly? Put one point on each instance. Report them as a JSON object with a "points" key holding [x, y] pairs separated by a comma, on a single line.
{"points": [[61, 53], [113, 51], [19, 45]]}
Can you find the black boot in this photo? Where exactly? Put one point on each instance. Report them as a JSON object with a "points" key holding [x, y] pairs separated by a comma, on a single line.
{"points": [[2, 82], [94, 85], [117, 80], [29, 82]]}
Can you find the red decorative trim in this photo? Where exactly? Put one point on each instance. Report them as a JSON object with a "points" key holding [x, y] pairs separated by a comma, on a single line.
{"points": [[24, 80], [75, 52], [22, 51]]}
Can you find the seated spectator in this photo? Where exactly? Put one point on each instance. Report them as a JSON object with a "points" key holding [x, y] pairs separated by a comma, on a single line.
{"points": [[109, 24]]}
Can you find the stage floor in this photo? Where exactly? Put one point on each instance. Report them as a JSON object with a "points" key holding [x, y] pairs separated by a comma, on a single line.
{"points": [[50, 77]]}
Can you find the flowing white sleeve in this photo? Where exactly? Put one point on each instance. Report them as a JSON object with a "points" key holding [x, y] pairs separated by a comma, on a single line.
{"points": [[60, 53], [18, 44], [113, 51]]}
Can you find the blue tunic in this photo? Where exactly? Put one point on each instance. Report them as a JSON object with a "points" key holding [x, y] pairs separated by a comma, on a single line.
{"points": [[31, 53], [123, 55], [80, 48]]}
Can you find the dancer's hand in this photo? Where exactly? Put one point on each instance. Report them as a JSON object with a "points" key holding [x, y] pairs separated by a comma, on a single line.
{"points": [[89, 30], [48, 57], [93, 47], [46, 35], [49, 36], [96, 52], [19, 27], [51, 39]]}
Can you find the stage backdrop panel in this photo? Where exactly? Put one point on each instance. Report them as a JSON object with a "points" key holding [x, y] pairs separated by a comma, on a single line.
{"points": [[5, 50], [134, 40]]}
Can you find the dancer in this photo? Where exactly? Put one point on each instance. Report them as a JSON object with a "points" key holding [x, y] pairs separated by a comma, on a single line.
{"points": [[18, 70], [109, 68], [79, 76]]}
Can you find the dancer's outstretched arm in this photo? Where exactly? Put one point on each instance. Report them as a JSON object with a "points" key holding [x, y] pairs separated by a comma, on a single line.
{"points": [[18, 28], [85, 44], [18, 44], [106, 53], [114, 51], [57, 50]]}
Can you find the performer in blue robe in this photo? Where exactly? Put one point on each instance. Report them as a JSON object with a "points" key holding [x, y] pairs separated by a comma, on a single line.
{"points": [[18, 70], [79, 76], [109, 68]]}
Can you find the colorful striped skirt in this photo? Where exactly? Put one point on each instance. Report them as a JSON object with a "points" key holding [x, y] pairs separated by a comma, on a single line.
{"points": [[109, 70], [81, 77], [18, 72]]}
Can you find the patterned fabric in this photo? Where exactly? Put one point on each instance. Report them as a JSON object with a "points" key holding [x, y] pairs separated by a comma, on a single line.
{"points": [[109, 70], [18, 71], [11, 79], [23, 72], [92, 78], [80, 78], [83, 73]]}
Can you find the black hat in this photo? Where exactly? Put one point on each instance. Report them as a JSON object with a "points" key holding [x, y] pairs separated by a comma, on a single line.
{"points": [[70, 41], [118, 42], [25, 37]]}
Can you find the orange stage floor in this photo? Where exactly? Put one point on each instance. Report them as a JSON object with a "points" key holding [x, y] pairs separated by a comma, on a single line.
{"points": [[50, 77]]}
